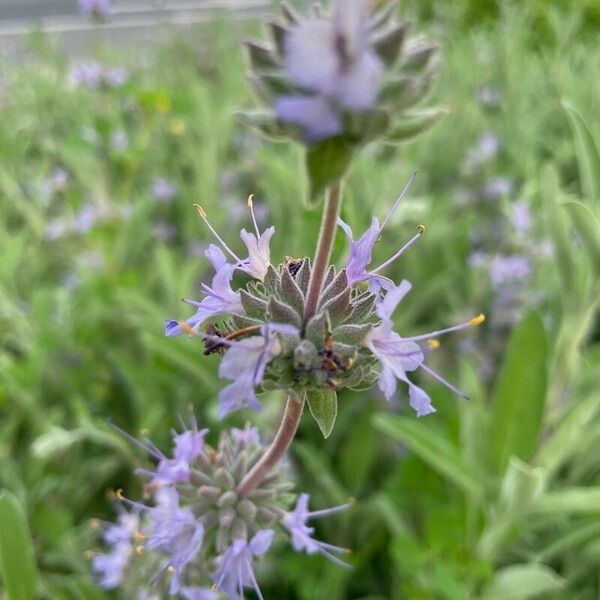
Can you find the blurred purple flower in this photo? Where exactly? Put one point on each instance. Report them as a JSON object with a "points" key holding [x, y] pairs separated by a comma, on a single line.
{"points": [[93, 75], [110, 566], [119, 140], [489, 96], [163, 190], [498, 187], [485, 149], [520, 216], [507, 269], [301, 533], [99, 9], [236, 565], [332, 60], [174, 531]]}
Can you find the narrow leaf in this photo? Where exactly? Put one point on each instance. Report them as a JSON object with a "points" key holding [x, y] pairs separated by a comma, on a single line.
{"points": [[521, 582], [587, 153], [17, 560], [435, 450], [519, 394], [323, 408], [580, 500], [413, 123]]}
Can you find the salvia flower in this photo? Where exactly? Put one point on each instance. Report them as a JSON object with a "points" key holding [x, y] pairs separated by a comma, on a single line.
{"points": [[198, 532], [266, 343], [339, 80]]}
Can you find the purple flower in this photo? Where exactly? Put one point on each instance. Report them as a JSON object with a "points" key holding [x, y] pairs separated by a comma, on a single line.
{"points": [[484, 150], [116, 77], [332, 60], [163, 190], [188, 447], [100, 9], [89, 74], [398, 355], [119, 140], [245, 363], [174, 531], [197, 593], [301, 533], [236, 572], [507, 269], [110, 566], [497, 188], [259, 254], [361, 250], [245, 437], [520, 216], [220, 298]]}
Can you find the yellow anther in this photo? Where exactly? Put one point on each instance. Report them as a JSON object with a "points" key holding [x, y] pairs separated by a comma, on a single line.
{"points": [[171, 569], [144, 431], [349, 362], [139, 550], [89, 554], [200, 210], [433, 344], [139, 536], [214, 588], [420, 229], [94, 523], [250, 197], [478, 320], [347, 551], [119, 494], [351, 500], [186, 328]]}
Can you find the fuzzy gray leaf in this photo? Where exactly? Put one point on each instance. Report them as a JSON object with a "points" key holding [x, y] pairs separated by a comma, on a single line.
{"points": [[362, 308], [338, 307], [323, 407], [290, 292], [303, 276], [351, 333], [335, 288], [260, 56], [278, 34], [271, 281], [253, 306], [279, 312], [388, 44], [317, 328]]}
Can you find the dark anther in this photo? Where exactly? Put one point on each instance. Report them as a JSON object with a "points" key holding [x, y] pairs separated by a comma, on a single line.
{"points": [[212, 344], [293, 265]]}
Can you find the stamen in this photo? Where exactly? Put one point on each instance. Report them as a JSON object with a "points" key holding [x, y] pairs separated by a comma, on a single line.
{"points": [[203, 216], [251, 207], [170, 569], [433, 334], [478, 320], [213, 588], [186, 328], [445, 382], [433, 344], [139, 550], [395, 205], [94, 523], [119, 494], [413, 239]]}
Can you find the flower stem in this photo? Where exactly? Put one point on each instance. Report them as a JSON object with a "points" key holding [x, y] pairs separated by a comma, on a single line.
{"points": [[293, 408], [331, 211], [281, 442]]}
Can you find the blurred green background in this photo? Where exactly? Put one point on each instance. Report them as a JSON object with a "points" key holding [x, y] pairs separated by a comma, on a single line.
{"points": [[498, 498]]}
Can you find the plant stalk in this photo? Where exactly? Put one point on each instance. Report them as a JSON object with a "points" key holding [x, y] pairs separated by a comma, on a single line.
{"points": [[281, 442], [331, 211]]}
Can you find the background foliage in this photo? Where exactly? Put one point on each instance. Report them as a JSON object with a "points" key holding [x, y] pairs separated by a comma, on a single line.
{"points": [[496, 498]]}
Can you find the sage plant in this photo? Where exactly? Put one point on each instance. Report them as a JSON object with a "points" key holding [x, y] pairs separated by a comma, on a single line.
{"points": [[302, 326]]}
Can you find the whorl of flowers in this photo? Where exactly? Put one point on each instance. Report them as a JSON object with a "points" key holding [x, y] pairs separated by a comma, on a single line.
{"points": [[340, 80], [196, 535], [267, 343]]}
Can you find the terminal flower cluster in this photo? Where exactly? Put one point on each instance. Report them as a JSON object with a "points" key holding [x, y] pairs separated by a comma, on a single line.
{"points": [[197, 536]]}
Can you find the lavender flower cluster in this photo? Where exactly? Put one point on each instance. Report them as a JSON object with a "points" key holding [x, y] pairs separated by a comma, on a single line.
{"points": [[196, 528]]}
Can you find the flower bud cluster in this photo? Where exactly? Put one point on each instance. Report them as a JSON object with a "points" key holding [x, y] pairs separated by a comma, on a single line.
{"points": [[197, 535]]}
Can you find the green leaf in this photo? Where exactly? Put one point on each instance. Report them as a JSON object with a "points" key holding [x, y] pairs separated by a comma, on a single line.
{"points": [[435, 450], [323, 408], [519, 394], [17, 561], [520, 582], [326, 163], [588, 228], [413, 123], [587, 153], [579, 500]]}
